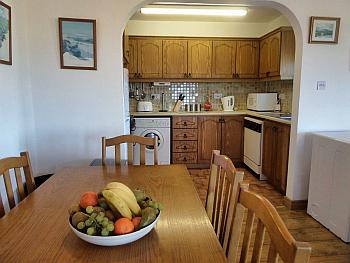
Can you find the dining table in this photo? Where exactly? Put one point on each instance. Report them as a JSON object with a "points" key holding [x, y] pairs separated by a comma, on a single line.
{"points": [[37, 229]]}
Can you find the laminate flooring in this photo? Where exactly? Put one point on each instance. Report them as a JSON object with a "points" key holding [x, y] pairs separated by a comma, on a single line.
{"points": [[326, 247]]}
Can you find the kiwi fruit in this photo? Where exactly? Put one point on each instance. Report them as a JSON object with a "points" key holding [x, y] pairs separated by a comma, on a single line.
{"points": [[78, 217]]}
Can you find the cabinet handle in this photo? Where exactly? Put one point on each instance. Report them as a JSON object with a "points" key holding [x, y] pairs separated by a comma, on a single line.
{"points": [[127, 53], [185, 75], [140, 75], [185, 123], [185, 159], [237, 75], [268, 73], [185, 135], [233, 75], [135, 75], [185, 147], [190, 75]]}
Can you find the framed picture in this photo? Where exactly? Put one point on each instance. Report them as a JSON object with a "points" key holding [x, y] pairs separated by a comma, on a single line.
{"points": [[5, 34], [324, 29], [78, 43]]}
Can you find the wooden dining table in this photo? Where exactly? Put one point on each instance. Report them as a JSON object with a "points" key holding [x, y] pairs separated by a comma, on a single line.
{"points": [[37, 230]]}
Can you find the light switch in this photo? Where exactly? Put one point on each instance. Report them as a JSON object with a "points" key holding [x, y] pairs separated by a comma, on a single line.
{"points": [[321, 85]]}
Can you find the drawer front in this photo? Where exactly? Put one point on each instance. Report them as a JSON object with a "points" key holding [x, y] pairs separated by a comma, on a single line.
{"points": [[185, 158], [184, 146], [185, 122], [185, 135]]}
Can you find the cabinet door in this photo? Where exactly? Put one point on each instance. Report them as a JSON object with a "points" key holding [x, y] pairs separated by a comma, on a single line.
{"points": [[274, 54], [174, 58], [132, 58], [199, 58], [126, 48], [209, 137], [264, 58], [224, 59], [282, 154], [150, 58], [269, 153], [247, 59], [232, 137]]}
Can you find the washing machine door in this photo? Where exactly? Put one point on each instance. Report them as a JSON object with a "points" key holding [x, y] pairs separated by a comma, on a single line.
{"points": [[151, 133]]}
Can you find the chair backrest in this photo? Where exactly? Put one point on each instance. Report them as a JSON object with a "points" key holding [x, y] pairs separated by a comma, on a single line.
{"points": [[222, 192], [130, 140], [282, 243], [16, 163]]}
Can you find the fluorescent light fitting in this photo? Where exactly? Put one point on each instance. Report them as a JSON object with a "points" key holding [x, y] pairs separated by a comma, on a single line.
{"points": [[193, 11]]}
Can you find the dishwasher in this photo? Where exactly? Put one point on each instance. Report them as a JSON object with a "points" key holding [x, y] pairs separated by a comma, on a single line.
{"points": [[253, 145]]}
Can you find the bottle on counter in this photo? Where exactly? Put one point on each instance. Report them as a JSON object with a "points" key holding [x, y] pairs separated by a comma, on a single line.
{"points": [[207, 105]]}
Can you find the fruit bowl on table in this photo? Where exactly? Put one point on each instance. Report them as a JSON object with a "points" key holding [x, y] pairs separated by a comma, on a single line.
{"points": [[115, 240]]}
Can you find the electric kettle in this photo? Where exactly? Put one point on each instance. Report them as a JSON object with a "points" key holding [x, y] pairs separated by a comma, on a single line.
{"points": [[228, 103]]}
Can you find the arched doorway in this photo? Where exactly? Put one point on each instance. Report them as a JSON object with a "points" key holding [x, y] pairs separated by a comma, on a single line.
{"points": [[293, 183]]}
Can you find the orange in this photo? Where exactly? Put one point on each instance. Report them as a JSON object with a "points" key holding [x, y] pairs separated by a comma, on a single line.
{"points": [[136, 221], [123, 226], [87, 199]]}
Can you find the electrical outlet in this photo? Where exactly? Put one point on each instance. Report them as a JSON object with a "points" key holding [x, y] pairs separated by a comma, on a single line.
{"points": [[321, 85], [217, 96], [155, 96]]}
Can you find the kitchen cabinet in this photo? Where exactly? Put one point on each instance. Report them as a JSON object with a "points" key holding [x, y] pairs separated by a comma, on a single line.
{"points": [[199, 58], [184, 139], [146, 58], [247, 59], [277, 55], [224, 59], [275, 154], [220, 133], [126, 49], [175, 59]]}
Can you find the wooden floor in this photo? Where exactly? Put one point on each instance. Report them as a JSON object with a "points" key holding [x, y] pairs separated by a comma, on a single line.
{"points": [[326, 247]]}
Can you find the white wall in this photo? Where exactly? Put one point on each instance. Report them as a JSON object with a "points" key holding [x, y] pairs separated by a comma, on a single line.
{"points": [[203, 29]]}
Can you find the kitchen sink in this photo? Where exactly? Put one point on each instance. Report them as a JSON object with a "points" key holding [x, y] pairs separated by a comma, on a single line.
{"points": [[280, 115]]}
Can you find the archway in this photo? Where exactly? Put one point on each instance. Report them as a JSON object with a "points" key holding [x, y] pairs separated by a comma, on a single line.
{"points": [[292, 185]]}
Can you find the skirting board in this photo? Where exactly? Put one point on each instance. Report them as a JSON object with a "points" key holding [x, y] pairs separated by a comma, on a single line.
{"points": [[295, 204]]}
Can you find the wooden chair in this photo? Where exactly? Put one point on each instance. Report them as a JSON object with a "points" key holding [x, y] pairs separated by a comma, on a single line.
{"points": [[130, 140], [268, 220], [16, 163], [222, 192]]}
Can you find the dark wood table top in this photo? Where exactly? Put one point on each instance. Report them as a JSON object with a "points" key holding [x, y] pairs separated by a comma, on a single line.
{"points": [[37, 229]]}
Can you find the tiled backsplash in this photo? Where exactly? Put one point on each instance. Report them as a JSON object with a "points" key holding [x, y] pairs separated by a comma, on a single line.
{"points": [[198, 93]]}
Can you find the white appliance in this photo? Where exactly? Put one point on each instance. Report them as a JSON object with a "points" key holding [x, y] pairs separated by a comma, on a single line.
{"points": [[153, 127], [228, 103], [329, 186], [125, 112], [262, 101], [144, 106], [253, 145]]}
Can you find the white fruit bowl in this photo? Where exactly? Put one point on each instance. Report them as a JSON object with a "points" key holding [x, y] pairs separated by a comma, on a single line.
{"points": [[115, 240]]}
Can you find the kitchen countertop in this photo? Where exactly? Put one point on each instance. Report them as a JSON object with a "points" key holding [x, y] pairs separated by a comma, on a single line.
{"points": [[211, 113]]}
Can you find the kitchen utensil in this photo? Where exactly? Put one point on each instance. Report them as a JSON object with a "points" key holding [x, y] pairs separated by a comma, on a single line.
{"points": [[143, 94], [144, 106], [137, 94], [228, 103], [163, 108]]}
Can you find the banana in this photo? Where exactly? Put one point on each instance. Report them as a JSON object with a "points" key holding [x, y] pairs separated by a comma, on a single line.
{"points": [[129, 200], [113, 185], [117, 203]]}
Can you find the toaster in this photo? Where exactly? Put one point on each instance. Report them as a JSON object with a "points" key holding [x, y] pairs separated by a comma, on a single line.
{"points": [[145, 106]]}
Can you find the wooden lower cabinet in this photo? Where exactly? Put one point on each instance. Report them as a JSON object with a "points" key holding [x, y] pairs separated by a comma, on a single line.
{"points": [[275, 154], [220, 133]]}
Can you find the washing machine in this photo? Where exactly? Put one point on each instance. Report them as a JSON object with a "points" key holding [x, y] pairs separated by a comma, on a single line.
{"points": [[152, 127]]}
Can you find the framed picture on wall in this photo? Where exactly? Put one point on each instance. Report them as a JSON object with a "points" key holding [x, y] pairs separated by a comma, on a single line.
{"points": [[5, 34], [77, 43], [324, 29]]}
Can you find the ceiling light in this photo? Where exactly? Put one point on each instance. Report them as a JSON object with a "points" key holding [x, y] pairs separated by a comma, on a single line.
{"points": [[194, 11]]}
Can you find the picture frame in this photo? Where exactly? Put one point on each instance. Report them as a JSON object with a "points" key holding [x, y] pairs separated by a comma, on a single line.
{"points": [[77, 43], [5, 34], [324, 30]]}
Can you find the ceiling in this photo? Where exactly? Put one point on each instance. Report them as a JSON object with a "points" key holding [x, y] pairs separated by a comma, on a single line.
{"points": [[256, 14]]}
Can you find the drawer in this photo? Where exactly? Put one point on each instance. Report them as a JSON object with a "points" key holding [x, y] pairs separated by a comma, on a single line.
{"points": [[184, 157], [185, 122], [185, 135], [184, 146]]}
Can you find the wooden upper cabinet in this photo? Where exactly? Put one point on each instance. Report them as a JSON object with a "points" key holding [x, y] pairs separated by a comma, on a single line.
{"points": [[224, 59], [126, 49], [174, 58], [264, 58], [274, 54], [150, 58], [132, 66], [209, 137], [247, 59], [232, 137], [199, 58]]}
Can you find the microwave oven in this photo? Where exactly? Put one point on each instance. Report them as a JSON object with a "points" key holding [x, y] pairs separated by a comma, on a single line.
{"points": [[262, 101]]}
